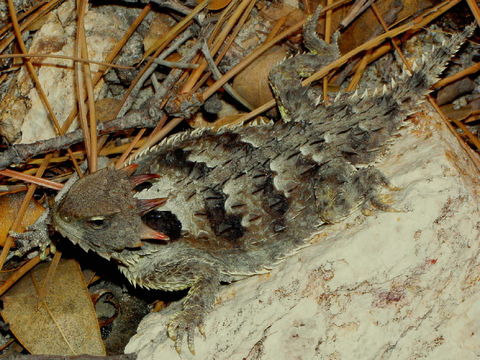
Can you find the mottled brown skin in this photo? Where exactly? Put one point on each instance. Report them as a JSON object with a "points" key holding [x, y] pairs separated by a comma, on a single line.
{"points": [[247, 197]]}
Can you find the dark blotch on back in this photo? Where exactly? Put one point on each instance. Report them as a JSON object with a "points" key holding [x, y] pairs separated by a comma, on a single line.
{"points": [[226, 226], [177, 159], [275, 201]]}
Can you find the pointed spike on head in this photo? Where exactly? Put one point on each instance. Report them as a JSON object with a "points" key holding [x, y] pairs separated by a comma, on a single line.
{"points": [[130, 169], [365, 94], [145, 205], [147, 232], [384, 89], [140, 179]]}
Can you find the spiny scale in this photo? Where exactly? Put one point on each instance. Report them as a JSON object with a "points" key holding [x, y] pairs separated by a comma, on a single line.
{"points": [[249, 196]]}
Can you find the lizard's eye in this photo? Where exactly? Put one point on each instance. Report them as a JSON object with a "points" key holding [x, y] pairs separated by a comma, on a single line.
{"points": [[97, 222]]}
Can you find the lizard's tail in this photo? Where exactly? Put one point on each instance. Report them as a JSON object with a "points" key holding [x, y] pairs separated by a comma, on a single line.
{"points": [[425, 72], [379, 115]]}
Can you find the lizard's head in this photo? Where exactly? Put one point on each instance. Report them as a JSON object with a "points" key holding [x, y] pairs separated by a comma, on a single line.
{"points": [[100, 213]]}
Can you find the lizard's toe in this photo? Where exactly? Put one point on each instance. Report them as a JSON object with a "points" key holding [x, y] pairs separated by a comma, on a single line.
{"points": [[184, 324], [381, 202]]}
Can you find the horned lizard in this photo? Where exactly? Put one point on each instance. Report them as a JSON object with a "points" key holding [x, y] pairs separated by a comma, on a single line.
{"points": [[246, 197]]}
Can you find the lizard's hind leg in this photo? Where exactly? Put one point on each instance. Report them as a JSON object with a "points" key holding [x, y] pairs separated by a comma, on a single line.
{"points": [[368, 181], [317, 45], [340, 188], [336, 195], [285, 78]]}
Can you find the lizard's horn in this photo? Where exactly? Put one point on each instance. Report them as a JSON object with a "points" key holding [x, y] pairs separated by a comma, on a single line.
{"points": [[145, 205], [130, 169], [140, 179]]}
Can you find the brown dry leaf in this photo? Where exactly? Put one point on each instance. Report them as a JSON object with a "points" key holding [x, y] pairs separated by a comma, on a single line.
{"points": [[106, 109], [252, 83], [216, 4], [367, 25], [9, 205], [462, 113], [273, 12], [160, 25], [65, 323]]}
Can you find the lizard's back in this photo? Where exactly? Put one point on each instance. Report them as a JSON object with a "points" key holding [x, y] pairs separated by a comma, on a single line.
{"points": [[250, 195]]}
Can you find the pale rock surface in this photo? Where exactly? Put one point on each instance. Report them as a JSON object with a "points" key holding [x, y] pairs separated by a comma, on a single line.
{"points": [[392, 285], [23, 117]]}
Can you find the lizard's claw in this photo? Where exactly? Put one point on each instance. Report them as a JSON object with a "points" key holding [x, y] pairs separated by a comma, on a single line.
{"points": [[35, 236], [184, 323]]}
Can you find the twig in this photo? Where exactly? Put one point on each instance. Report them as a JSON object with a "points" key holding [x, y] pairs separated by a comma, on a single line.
{"points": [[175, 64], [174, 31], [227, 45], [217, 75], [432, 101], [111, 56], [80, 81], [475, 10], [328, 39], [169, 81], [33, 75], [249, 59], [175, 74], [66, 57], [29, 66], [47, 281], [87, 81], [176, 6], [32, 179], [35, 16], [161, 133], [127, 152], [22, 16], [461, 74], [149, 69], [356, 10], [219, 39], [21, 152]]}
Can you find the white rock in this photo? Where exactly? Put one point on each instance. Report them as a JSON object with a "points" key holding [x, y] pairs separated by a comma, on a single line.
{"points": [[23, 117], [399, 285]]}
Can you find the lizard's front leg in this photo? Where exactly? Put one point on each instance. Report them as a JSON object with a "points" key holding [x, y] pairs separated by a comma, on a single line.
{"points": [[198, 303], [341, 188], [202, 278]]}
